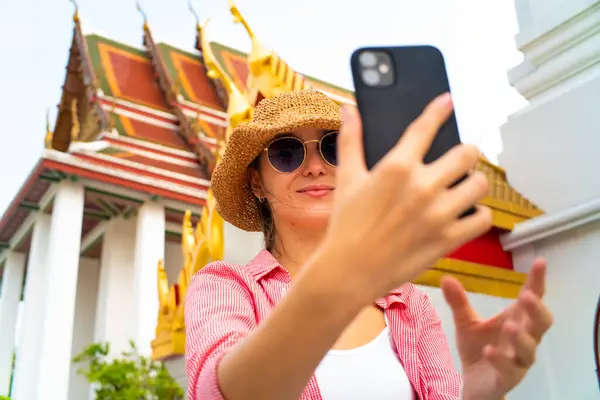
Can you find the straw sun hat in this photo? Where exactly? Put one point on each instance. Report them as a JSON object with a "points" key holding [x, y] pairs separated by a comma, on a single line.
{"points": [[286, 112]]}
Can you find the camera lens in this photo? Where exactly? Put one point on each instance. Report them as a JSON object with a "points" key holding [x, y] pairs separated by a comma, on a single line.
{"points": [[368, 59], [371, 77]]}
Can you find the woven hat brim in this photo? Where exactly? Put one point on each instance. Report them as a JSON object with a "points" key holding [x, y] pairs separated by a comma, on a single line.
{"points": [[235, 200]]}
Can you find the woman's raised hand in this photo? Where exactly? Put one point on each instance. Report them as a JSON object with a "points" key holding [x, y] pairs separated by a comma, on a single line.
{"points": [[390, 224]]}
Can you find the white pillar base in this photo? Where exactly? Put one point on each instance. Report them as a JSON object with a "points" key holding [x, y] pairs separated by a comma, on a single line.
{"points": [[10, 295], [61, 280]]}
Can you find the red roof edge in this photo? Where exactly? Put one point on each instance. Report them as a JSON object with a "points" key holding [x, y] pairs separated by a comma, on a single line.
{"points": [[22, 193]]}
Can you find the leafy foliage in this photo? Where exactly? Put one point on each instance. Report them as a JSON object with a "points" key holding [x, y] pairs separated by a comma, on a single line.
{"points": [[129, 377], [4, 397]]}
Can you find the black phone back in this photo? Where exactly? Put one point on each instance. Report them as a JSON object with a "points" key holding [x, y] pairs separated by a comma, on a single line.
{"points": [[392, 87]]}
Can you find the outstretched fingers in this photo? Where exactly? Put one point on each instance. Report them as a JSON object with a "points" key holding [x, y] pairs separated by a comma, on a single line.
{"points": [[540, 317], [536, 279], [456, 297]]}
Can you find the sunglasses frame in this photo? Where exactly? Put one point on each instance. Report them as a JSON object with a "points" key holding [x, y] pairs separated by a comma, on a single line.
{"points": [[319, 141]]}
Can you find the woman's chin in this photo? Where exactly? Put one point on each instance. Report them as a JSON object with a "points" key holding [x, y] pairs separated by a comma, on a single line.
{"points": [[314, 218]]}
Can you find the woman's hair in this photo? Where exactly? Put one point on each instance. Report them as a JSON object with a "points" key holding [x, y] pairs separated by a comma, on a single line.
{"points": [[267, 223], [266, 216]]}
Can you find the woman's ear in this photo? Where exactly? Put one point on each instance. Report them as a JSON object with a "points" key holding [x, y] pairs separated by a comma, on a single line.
{"points": [[255, 182]]}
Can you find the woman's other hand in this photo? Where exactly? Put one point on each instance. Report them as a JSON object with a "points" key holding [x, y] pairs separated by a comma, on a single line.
{"points": [[389, 224], [497, 353]]}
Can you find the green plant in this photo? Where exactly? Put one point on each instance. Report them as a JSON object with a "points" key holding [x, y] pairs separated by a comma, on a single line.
{"points": [[129, 377], [4, 397]]}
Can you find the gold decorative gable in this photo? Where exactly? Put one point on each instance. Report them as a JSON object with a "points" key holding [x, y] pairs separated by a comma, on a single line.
{"points": [[509, 207]]}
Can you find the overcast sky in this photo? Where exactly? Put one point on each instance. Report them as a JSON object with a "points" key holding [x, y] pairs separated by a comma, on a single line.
{"points": [[316, 37]]}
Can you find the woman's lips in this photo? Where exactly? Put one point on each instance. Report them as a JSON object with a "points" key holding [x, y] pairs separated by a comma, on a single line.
{"points": [[316, 190]]}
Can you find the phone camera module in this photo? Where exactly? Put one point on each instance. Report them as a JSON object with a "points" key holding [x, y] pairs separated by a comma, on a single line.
{"points": [[376, 68]]}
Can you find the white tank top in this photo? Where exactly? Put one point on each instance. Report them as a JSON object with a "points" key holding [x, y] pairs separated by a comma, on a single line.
{"points": [[372, 371]]}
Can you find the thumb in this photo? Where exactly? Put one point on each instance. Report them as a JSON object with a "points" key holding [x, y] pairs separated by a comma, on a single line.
{"points": [[350, 149], [457, 299]]}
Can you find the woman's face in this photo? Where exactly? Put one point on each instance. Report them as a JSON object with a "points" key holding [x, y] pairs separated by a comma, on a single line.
{"points": [[303, 197]]}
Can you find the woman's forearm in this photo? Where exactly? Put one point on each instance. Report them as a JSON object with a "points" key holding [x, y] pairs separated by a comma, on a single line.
{"points": [[277, 359]]}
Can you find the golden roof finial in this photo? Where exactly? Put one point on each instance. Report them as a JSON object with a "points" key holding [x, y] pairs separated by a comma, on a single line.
{"points": [[259, 53], [139, 8], [76, 13], [49, 133], [238, 18], [195, 14], [75, 128], [238, 108]]}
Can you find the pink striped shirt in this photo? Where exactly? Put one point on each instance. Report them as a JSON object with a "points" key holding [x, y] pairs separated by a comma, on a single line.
{"points": [[225, 302]]}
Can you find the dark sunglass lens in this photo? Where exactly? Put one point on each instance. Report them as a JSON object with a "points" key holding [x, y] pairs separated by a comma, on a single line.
{"points": [[286, 154], [329, 148]]}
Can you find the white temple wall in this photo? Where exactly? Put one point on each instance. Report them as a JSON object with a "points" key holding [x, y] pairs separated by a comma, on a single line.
{"points": [[85, 319], [241, 246], [573, 289], [567, 163]]}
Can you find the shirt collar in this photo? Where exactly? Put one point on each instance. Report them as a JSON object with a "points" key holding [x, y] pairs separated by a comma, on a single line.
{"points": [[264, 262]]}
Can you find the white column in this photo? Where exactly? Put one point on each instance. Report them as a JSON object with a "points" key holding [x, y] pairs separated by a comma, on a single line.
{"points": [[61, 280], [85, 316], [150, 247], [27, 363], [10, 295], [114, 312], [550, 155]]}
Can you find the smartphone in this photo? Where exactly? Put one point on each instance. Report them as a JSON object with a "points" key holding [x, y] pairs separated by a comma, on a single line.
{"points": [[393, 85]]}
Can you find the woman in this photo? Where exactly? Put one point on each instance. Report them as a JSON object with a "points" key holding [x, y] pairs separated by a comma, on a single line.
{"points": [[327, 310]]}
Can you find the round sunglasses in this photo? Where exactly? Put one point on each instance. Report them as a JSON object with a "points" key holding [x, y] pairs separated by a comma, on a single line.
{"points": [[286, 154]]}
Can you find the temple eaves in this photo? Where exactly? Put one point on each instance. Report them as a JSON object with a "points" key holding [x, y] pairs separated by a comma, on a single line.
{"points": [[171, 91]]}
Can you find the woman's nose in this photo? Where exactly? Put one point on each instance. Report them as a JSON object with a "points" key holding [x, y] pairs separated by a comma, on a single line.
{"points": [[314, 163]]}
